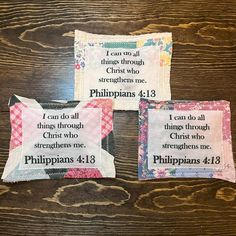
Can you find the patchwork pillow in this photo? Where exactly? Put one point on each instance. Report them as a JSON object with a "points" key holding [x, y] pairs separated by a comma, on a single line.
{"points": [[60, 139], [123, 67], [185, 139]]}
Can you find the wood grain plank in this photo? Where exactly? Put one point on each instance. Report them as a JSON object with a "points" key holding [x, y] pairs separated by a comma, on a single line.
{"points": [[36, 60]]}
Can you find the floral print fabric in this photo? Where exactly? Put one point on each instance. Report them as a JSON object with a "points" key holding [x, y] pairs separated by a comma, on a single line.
{"points": [[12, 172], [228, 170], [158, 75]]}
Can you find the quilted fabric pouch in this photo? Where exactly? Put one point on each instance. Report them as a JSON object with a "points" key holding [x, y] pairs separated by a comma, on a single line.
{"points": [[185, 139], [60, 139], [123, 67]]}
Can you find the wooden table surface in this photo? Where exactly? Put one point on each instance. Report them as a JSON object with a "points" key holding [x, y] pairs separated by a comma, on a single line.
{"points": [[36, 60]]}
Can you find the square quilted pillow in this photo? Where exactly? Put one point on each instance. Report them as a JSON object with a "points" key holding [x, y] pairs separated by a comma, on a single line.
{"points": [[60, 139], [185, 139], [123, 67]]}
